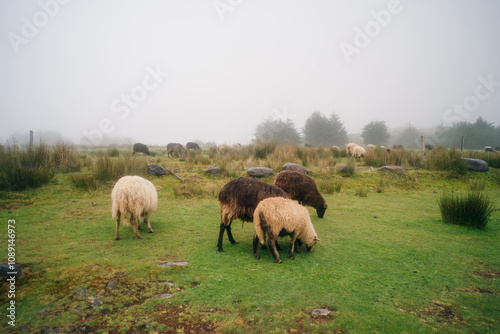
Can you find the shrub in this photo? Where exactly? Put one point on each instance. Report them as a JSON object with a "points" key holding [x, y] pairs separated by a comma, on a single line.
{"points": [[113, 152], [470, 209], [361, 192], [349, 169]]}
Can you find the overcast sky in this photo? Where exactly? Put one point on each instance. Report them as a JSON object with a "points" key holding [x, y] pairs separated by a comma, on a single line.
{"points": [[175, 71]]}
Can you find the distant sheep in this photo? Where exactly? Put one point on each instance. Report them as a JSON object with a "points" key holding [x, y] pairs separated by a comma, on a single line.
{"points": [[140, 148], [192, 146], [358, 152], [134, 196], [370, 146], [174, 147], [222, 147], [350, 147], [238, 200], [278, 217], [429, 146], [334, 147], [302, 188]]}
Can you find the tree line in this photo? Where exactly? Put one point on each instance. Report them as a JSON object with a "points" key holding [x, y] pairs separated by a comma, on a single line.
{"points": [[320, 130]]}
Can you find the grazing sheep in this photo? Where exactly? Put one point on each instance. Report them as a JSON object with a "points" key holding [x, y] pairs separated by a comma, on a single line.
{"points": [[358, 152], [222, 147], [370, 146], [238, 199], [135, 196], [174, 147], [192, 146], [335, 147], [350, 147], [140, 148], [488, 149], [278, 217], [302, 188], [429, 146]]}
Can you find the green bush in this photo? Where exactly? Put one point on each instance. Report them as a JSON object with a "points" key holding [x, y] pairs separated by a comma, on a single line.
{"points": [[470, 209], [66, 158], [349, 169]]}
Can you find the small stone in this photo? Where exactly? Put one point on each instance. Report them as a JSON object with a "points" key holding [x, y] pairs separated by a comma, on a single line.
{"points": [[112, 284], [392, 168], [95, 301], [171, 264], [321, 312], [213, 170], [44, 312], [81, 292], [162, 296], [259, 171], [296, 167]]}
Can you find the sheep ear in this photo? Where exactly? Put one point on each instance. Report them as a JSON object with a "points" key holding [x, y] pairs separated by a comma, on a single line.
{"points": [[316, 238]]}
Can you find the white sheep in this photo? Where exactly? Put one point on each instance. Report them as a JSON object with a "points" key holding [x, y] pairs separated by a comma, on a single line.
{"points": [[358, 152], [350, 147], [371, 146], [278, 217], [136, 196]]}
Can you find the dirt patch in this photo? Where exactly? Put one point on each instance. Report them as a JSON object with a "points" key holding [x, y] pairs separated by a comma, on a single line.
{"points": [[180, 319], [489, 274], [443, 312], [14, 205], [478, 290]]}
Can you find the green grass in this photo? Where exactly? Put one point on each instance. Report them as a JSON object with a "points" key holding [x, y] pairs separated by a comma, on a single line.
{"points": [[386, 263]]}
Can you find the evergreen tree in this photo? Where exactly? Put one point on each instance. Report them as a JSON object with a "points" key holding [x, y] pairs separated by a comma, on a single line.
{"points": [[277, 130], [320, 130], [375, 133]]}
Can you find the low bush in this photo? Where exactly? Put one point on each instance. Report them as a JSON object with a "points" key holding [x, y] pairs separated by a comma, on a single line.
{"points": [[470, 209]]}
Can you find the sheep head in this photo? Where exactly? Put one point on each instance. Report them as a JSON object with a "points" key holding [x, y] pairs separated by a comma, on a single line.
{"points": [[321, 210]]}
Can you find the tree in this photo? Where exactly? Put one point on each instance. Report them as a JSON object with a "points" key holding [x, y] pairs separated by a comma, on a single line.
{"points": [[375, 133], [278, 130], [320, 130], [476, 135], [409, 137]]}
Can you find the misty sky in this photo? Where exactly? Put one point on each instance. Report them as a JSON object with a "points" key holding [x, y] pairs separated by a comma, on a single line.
{"points": [[176, 71]]}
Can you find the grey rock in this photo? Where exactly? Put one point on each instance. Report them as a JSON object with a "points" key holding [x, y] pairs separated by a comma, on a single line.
{"points": [[95, 301], [47, 330], [213, 170], [156, 170], [171, 264], [43, 312], [81, 292], [296, 167], [259, 171], [476, 165], [162, 296], [112, 284], [392, 168], [321, 312]]}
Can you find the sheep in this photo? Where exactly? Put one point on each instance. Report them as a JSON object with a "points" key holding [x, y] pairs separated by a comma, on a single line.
{"points": [[429, 146], [174, 147], [335, 147], [350, 148], [358, 152], [278, 217], [302, 188], [135, 196], [370, 146], [192, 146], [140, 148], [488, 149], [238, 199]]}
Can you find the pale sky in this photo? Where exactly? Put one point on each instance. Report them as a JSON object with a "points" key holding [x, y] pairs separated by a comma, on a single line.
{"points": [[176, 71]]}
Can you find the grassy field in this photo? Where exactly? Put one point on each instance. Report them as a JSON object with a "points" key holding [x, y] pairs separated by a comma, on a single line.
{"points": [[386, 262]]}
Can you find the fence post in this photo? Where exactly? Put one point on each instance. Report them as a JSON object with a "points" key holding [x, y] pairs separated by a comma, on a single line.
{"points": [[31, 141], [462, 149]]}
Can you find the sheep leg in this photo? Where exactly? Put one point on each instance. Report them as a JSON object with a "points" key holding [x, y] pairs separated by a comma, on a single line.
{"points": [[256, 246], [230, 234], [149, 224], [117, 237], [221, 235], [271, 243], [292, 246], [134, 227]]}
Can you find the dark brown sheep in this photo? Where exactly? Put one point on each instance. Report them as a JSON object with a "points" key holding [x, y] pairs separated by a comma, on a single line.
{"points": [[192, 146], [302, 188], [238, 199]]}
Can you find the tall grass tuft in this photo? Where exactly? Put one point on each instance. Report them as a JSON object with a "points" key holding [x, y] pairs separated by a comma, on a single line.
{"points": [[470, 209], [22, 169], [66, 158]]}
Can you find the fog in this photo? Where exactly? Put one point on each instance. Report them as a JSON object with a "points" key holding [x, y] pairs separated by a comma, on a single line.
{"points": [[177, 71]]}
